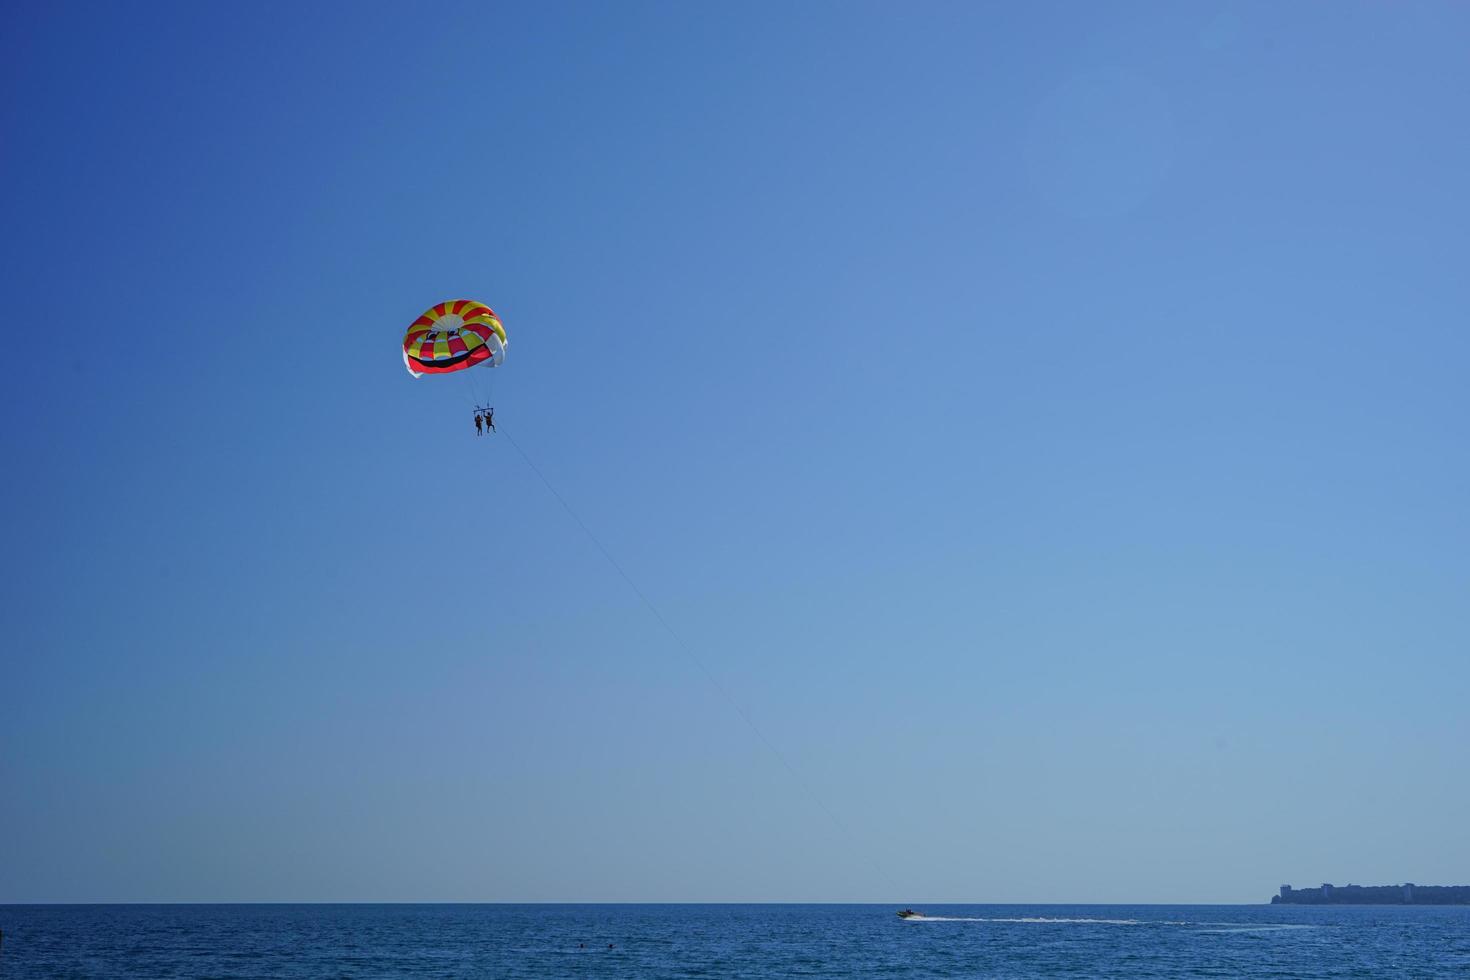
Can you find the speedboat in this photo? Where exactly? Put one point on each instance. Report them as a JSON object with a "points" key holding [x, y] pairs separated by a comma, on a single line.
{"points": [[910, 914]]}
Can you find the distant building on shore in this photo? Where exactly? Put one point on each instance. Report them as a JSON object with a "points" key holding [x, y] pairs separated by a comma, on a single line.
{"points": [[1405, 894]]}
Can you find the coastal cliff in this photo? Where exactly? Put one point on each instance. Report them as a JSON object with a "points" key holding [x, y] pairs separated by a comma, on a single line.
{"points": [[1407, 894]]}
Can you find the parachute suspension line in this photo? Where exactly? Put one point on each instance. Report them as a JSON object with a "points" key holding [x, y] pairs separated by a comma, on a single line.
{"points": [[480, 397], [471, 390], [485, 380], [688, 651]]}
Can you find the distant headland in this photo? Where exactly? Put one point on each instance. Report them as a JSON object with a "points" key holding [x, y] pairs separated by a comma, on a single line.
{"points": [[1407, 894]]}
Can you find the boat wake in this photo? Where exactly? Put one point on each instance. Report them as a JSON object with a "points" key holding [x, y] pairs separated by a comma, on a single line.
{"points": [[1029, 918]]}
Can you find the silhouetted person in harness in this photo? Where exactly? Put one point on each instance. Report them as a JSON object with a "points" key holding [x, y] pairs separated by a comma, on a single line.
{"points": [[490, 419], [479, 424]]}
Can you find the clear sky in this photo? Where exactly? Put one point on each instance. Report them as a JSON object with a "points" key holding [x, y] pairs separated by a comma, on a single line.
{"points": [[1046, 422]]}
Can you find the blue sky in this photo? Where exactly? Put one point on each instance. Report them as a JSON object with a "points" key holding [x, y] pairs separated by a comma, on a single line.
{"points": [[1046, 423]]}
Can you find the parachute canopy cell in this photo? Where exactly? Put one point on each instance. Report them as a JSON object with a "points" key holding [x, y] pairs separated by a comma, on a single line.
{"points": [[452, 336]]}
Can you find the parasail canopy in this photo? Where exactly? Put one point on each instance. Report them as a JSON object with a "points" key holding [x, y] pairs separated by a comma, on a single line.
{"points": [[452, 336]]}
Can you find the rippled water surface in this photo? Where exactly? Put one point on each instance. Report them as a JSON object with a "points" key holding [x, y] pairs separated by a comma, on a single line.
{"points": [[755, 941]]}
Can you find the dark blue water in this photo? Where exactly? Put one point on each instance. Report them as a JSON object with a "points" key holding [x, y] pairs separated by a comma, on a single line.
{"points": [[754, 941]]}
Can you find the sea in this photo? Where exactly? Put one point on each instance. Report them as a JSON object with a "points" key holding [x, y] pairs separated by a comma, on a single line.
{"points": [[314, 942]]}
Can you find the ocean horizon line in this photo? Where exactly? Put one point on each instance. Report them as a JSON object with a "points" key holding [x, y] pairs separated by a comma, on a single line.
{"points": [[642, 902]]}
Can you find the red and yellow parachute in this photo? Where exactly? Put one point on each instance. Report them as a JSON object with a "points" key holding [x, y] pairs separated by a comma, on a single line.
{"points": [[452, 336]]}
